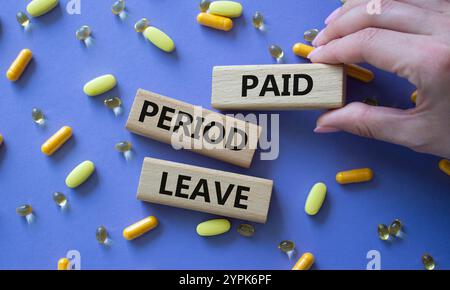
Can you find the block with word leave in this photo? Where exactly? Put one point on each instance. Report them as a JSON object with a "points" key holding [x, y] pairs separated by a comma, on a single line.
{"points": [[191, 127], [278, 87], [206, 190]]}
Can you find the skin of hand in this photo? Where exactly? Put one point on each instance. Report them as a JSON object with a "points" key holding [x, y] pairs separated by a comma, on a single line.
{"points": [[410, 38]]}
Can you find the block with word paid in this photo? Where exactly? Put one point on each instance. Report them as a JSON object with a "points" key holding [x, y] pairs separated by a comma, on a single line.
{"points": [[278, 87], [186, 126], [206, 190]]}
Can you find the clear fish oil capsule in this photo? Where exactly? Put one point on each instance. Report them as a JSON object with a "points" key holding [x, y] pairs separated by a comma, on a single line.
{"points": [[383, 232], [26, 211], [101, 234], [204, 5], [118, 8], [395, 228], [310, 35], [23, 19], [141, 25], [287, 247], [114, 104], [124, 147], [84, 34], [428, 262], [60, 199], [371, 101], [276, 52], [258, 20], [38, 116], [246, 230]]}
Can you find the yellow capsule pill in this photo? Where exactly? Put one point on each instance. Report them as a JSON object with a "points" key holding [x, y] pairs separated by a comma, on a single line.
{"points": [[139, 228], [100, 85], [315, 198], [215, 21], [226, 8], [444, 165], [213, 227], [18, 66], [414, 97], [1, 139], [56, 141], [159, 39], [37, 8], [80, 174], [63, 264], [354, 71], [354, 176], [305, 262]]}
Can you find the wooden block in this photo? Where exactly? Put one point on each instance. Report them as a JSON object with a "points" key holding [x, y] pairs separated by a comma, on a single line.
{"points": [[278, 87], [191, 127], [206, 190]]}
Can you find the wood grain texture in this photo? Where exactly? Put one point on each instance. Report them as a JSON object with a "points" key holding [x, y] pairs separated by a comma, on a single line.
{"points": [[170, 113], [328, 90], [159, 183]]}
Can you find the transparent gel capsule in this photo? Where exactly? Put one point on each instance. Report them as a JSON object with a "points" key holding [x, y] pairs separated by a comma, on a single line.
{"points": [[276, 52], [60, 199], [395, 228], [370, 101], [258, 20], [101, 235], [118, 8], [310, 34], [38, 116], [141, 25], [114, 104], [287, 247], [246, 230], [428, 262], [26, 211], [383, 232], [23, 19], [124, 147], [204, 5], [84, 34]]}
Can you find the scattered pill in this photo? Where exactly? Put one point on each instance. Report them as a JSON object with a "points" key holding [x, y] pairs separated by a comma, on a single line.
{"points": [[80, 174], [370, 101], [37, 8], [118, 8], [101, 235], [204, 5], [286, 246], [310, 34], [24, 210], [63, 264], [60, 199], [225, 8], [38, 116], [1, 139], [215, 21], [124, 147], [159, 39], [114, 104], [395, 228], [414, 97], [354, 176], [246, 230], [100, 85], [383, 232], [23, 19], [83, 33], [18, 66], [444, 165], [428, 262], [56, 141], [276, 52], [353, 70], [315, 198], [141, 25], [213, 227], [258, 20], [305, 262], [139, 228]]}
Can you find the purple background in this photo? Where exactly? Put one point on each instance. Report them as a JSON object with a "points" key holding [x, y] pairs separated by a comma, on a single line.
{"points": [[407, 185]]}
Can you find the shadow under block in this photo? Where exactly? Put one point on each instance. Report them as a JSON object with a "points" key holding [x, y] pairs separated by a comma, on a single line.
{"points": [[191, 127], [206, 190], [278, 87]]}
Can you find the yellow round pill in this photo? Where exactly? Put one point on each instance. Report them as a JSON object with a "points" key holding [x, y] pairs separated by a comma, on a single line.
{"points": [[80, 174], [315, 198], [213, 227]]}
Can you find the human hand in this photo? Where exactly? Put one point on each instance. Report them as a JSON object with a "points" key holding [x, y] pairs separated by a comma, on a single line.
{"points": [[410, 38]]}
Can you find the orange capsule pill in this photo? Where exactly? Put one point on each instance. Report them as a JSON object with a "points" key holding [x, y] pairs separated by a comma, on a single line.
{"points": [[18, 66], [1, 139], [56, 141], [305, 262], [444, 165], [63, 264], [414, 97], [354, 176], [215, 21], [139, 228]]}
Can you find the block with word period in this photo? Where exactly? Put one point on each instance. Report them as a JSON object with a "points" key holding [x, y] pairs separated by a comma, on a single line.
{"points": [[204, 189], [278, 87], [191, 127]]}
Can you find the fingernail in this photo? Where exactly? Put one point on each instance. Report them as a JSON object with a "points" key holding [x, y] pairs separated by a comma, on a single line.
{"points": [[333, 15], [323, 129], [314, 52], [314, 42]]}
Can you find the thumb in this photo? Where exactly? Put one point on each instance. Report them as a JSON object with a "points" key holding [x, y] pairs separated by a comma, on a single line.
{"points": [[386, 124]]}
